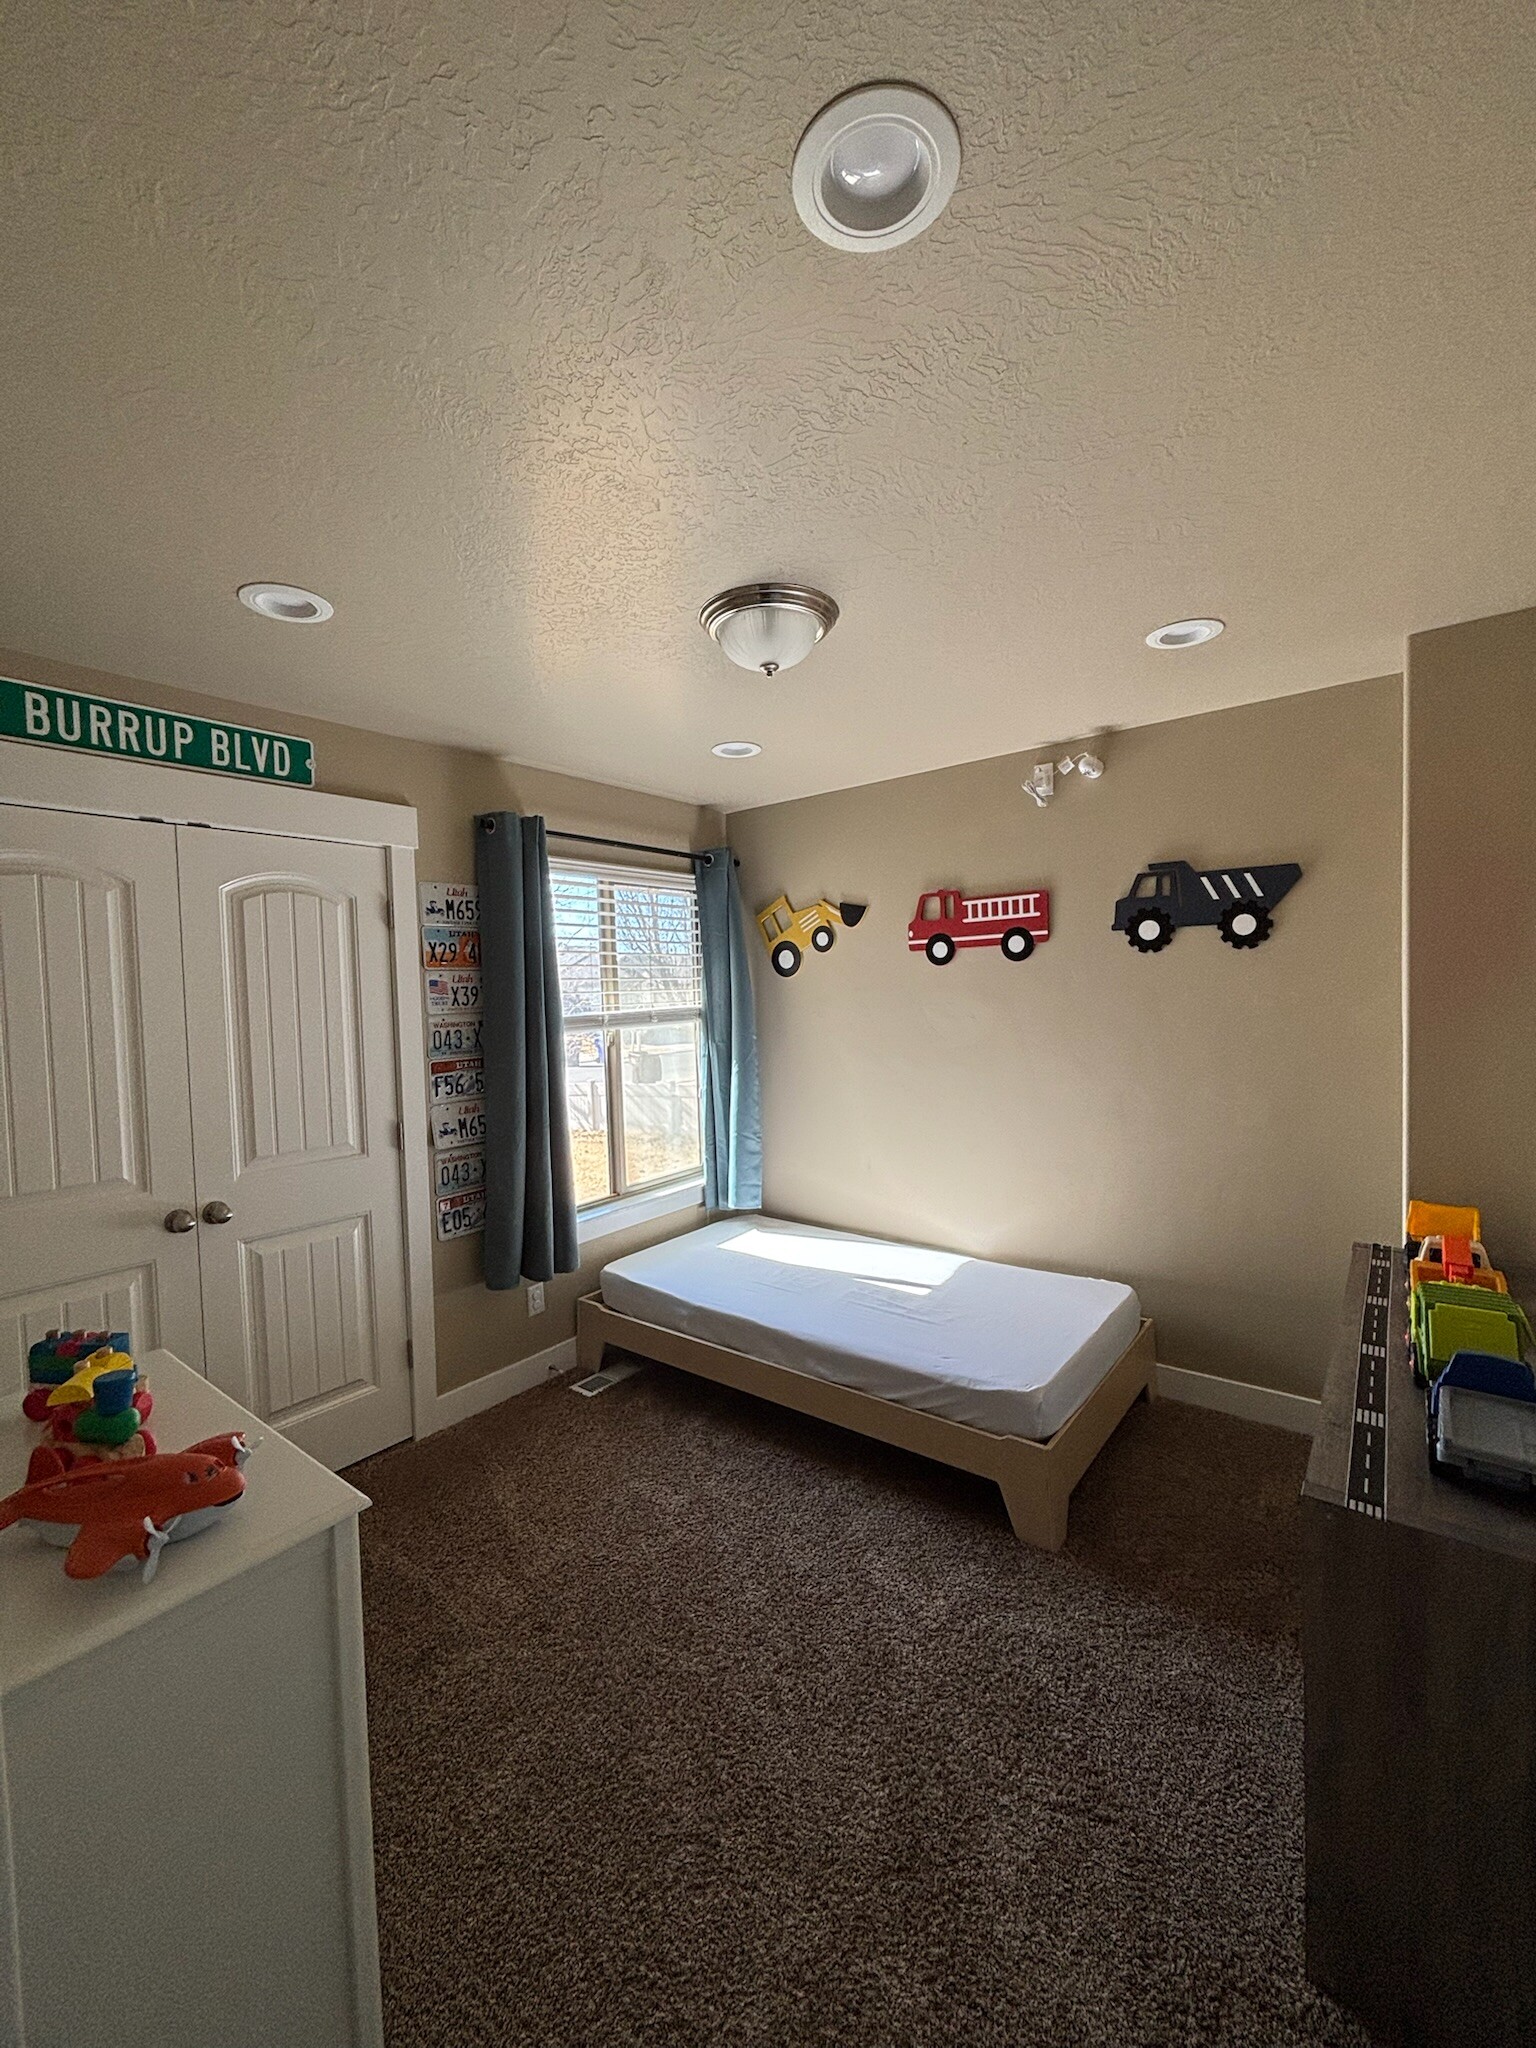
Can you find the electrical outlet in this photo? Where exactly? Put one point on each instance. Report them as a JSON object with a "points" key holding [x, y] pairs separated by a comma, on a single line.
{"points": [[535, 1297]]}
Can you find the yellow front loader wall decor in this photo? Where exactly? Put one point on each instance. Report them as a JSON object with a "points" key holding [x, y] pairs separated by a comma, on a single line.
{"points": [[787, 932]]}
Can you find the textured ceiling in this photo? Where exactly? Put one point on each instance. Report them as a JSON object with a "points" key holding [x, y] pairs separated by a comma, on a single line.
{"points": [[496, 325]]}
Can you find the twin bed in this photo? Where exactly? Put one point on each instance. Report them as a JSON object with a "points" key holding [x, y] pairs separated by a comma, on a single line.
{"points": [[1017, 1375]]}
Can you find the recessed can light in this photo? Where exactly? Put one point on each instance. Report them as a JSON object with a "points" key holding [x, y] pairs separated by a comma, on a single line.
{"points": [[285, 601], [736, 750], [876, 167], [1186, 633]]}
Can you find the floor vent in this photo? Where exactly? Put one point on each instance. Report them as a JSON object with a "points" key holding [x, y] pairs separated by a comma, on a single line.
{"points": [[600, 1382]]}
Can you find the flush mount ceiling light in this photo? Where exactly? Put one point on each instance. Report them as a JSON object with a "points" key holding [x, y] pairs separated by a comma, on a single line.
{"points": [[876, 167], [1186, 633], [768, 626], [736, 750], [287, 602]]}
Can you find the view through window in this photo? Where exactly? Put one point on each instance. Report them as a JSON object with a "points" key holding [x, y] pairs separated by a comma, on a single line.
{"points": [[631, 986]]}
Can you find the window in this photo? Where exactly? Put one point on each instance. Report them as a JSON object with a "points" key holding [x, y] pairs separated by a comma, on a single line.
{"points": [[631, 986]]}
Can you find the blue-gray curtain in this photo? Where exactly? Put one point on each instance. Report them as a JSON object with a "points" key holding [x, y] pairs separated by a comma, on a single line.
{"points": [[733, 1124], [530, 1199]]}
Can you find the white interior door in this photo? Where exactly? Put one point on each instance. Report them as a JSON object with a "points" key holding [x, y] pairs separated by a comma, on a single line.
{"points": [[290, 1031], [95, 1123]]}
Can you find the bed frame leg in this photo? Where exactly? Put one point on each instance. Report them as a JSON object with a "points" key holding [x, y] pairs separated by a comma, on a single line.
{"points": [[1038, 1514], [590, 1343]]}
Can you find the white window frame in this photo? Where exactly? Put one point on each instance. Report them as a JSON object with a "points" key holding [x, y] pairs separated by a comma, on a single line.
{"points": [[623, 1206]]}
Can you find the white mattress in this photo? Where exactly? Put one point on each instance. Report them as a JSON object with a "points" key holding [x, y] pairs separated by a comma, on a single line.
{"points": [[1002, 1348]]}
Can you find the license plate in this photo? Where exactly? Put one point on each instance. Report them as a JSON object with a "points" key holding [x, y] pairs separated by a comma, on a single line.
{"points": [[455, 903], [457, 1123], [452, 1079], [453, 995], [443, 946], [461, 1215], [459, 1170], [461, 1036]]}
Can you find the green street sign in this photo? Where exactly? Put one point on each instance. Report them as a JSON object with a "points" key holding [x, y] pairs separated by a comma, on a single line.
{"points": [[136, 732]]}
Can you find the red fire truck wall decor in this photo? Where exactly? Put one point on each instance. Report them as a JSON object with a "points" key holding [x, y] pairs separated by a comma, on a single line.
{"points": [[944, 921]]}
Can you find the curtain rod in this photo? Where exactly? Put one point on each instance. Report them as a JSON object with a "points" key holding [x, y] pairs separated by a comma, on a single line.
{"points": [[628, 845]]}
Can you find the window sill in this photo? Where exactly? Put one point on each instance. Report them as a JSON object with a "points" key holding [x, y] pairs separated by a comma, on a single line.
{"points": [[606, 1219]]}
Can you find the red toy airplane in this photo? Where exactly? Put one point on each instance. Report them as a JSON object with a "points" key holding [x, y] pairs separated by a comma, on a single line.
{"points": [[127, 1508]]}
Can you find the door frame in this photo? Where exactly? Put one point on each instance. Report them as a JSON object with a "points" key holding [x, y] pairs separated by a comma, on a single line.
{"points": [[47, 779]]}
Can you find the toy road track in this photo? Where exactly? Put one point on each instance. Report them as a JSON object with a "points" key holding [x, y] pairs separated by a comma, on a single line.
{"points": [[1366, 1488]]}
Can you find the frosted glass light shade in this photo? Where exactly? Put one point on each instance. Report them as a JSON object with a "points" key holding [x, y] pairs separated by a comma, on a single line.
{"points": [[876, 167], [768, 626]]}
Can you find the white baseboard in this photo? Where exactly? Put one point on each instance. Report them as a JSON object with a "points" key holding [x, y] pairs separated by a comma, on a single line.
{"points": [[1237, 1397], [459, 1403]]}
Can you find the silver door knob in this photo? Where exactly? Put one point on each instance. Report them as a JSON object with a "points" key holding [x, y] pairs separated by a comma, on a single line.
{"points": [[217, 1212], [180, 1220]]}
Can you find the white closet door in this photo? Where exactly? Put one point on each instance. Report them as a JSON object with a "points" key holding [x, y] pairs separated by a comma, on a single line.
{"points": [[290, 1029], [95, 1124]]}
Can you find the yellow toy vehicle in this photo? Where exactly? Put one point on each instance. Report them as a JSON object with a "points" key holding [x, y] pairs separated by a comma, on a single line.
{"points": [[787, 932], [1445, 1243], [1442, 1219]]}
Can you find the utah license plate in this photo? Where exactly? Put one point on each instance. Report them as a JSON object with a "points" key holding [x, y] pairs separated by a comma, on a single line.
{"points": [[457, 1123], [454, 1078], [459, 1215], [443, 946]]}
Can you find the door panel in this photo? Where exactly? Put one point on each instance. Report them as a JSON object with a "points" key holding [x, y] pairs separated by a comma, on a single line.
{"points": [[95, 1120], [308, 1300], [292, 950], [291, 1035], [69, 1001]]}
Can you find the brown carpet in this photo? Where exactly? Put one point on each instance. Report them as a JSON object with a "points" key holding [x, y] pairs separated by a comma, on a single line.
{"points": [[702, 1725]]}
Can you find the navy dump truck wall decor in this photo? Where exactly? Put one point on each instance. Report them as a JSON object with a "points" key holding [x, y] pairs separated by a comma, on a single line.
{"points": [[1170, 893]]}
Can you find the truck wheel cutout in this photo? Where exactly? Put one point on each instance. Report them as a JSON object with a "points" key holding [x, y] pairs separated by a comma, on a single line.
{"points": [[786, 958], [940, 950], [1017, 944], [1150, 930], [1245, 924], [822, 938]]}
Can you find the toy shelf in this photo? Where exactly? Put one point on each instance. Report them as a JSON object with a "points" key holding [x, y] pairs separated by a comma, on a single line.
{"points": [[1419, 1647]]}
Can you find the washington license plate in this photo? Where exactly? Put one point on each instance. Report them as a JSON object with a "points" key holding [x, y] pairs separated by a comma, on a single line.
{"points": [[445, 1036], [459, 1170]]}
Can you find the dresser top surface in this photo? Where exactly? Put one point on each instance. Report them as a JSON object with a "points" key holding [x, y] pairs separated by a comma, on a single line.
{"points": [[46, 1619]]}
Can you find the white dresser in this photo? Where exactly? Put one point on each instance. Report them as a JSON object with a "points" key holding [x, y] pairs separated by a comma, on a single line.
{"points": [[186, 1853]]}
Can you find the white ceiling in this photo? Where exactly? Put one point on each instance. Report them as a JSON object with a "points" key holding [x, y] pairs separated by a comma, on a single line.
{"points": [[496, 325]]}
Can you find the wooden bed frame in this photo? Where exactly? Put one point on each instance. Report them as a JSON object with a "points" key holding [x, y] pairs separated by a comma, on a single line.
{"points": [[1036, 1478]]}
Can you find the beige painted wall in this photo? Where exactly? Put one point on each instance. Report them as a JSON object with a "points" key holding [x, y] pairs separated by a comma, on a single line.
{"points": [[1213, 1127], [1471, 735], [477, 1331]]}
